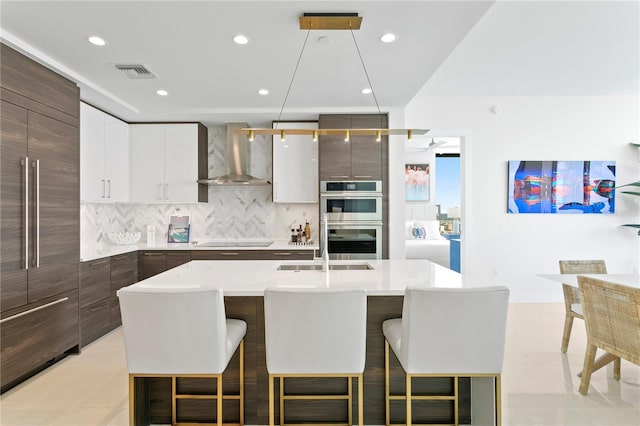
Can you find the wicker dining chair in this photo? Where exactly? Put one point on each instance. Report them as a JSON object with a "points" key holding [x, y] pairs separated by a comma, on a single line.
{"points": [[572, 305], [612, 319]]}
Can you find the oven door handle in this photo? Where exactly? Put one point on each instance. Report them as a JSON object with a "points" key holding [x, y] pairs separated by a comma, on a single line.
{"points": [[355, 223], [351, 195]]}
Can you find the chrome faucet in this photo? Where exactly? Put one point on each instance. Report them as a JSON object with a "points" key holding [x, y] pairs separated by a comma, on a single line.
{"points": [[324, 242]]}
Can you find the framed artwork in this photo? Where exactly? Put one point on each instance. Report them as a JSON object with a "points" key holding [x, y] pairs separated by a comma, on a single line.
{"points": [[416, 182], [562, 187], [178, 229]]}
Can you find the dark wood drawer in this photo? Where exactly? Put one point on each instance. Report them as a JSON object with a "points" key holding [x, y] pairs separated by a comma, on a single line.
{"points": [[46, 330], [153, 262], [95, 281], [123, 269], [177, 258], [252, 255], [95, 320]]}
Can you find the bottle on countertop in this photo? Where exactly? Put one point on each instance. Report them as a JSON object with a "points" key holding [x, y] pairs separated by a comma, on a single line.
{"points": [[294, 236], [301, 235], [307, 231]]}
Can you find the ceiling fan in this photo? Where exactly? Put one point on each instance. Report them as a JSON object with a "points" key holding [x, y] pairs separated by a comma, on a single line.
{"points": [[432, 145]]}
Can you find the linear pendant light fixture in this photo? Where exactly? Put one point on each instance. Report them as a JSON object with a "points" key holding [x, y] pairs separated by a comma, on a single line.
{"points": [[329, 21]]}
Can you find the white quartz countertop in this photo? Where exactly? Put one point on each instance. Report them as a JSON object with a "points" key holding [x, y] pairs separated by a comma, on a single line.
{"points": [[105, 250], [250, 278]]}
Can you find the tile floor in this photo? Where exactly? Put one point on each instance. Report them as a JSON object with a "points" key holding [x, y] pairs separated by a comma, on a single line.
{"points": [[540, 386]]}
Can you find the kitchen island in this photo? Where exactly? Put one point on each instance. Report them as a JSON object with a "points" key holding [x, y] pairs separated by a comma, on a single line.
{"points": [[244, 282]]}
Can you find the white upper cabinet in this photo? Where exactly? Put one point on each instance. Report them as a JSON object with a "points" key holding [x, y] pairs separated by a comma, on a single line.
{"points": [[104, 156], [295, 166], [164, 160]]}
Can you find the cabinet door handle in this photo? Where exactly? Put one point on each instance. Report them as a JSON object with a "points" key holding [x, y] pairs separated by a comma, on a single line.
{"points": [[25, 163], [339, 177], [37, 164], [100, 262], [109, 188], [103, 189], [359, 177], [229, 254], [30, 311], [153, 254], [123, 257], [159, 191], [282, 254], [166, 191]]}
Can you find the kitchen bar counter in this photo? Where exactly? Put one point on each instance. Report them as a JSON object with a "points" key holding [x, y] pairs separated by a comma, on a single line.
{"points": [[244, 282], [250, 278], [105, 250]]}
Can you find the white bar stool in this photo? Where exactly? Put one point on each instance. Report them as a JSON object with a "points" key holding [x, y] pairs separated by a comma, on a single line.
{"points": [[450, 332], [315, 332], [180, 332]]}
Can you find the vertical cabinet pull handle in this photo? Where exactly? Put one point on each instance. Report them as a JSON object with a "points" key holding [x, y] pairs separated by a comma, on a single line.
{"points": [[25, 164], [166, 191], [109, 188], [103, 190], [37, 213], [159, 191]]}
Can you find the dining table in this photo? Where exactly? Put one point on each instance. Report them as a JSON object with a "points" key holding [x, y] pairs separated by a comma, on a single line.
{"points": [[629, 280]]}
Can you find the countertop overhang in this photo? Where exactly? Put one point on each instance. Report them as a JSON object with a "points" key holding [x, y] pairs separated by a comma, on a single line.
{"points": [[251, 278]]}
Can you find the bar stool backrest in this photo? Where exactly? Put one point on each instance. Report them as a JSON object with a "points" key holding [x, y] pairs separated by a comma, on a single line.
{"points": [[315, 331], [454, 330], [174, 330]]}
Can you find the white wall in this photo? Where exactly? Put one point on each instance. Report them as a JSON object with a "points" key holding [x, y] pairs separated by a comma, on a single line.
{"points": [[510, 248]]}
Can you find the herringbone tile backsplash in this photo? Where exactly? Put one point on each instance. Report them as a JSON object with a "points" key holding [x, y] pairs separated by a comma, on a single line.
{"points": [[233, 212]]}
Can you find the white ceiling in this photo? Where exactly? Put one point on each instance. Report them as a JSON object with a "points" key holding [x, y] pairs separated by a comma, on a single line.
{"points": [[443, 48]]}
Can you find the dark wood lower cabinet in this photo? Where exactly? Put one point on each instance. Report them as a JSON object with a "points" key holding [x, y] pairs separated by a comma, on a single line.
{"points": [[123, 273], [36, 335], [154, 402]]}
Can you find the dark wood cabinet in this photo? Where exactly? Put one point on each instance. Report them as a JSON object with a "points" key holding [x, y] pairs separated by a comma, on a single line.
{"points": [[95, 304], [358, 159], [177, 258], [252, 255], [155, 262], [40, 197], [123, 273], [37, 334]]}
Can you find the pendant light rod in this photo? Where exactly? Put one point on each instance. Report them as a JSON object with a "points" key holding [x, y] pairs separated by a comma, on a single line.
{"points": [[373, 92]]}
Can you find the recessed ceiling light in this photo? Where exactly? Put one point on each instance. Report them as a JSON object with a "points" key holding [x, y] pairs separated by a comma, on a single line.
{"points": [[366, 91], [162, 92], [240, 39], [263, 92], [388, 38], [97, 41]]}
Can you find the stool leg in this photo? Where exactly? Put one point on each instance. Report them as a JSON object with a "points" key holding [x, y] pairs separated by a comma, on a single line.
{"points": [[616, 368], [219, 413], [350, 399], [408, 381], [174, 401], [455, 401], [566, 333], [281, 400], [271, 402], [386, 382], [498, 402], [360, 400], [132, 399], [242, 382]]}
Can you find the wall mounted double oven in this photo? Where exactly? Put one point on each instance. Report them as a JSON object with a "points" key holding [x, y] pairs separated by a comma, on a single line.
{"points": [[354, 213]]}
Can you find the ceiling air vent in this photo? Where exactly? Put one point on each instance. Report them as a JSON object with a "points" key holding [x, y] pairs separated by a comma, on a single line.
{"points": [[136, 71]]}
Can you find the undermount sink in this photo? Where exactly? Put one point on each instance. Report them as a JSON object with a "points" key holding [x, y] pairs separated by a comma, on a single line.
{"points": [[318, 267], [232, 243]]}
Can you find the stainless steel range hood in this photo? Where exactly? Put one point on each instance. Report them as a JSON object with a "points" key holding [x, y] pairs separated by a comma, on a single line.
{"points": [[237, 161]]}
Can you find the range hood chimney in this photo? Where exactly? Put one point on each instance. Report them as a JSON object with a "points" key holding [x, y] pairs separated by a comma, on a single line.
{"points": [[237, 161]]}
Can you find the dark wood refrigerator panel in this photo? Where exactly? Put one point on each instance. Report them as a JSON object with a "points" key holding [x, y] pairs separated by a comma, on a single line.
{"points": [[13, 246], [37, 337], [39, 216], [55, 161]]}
